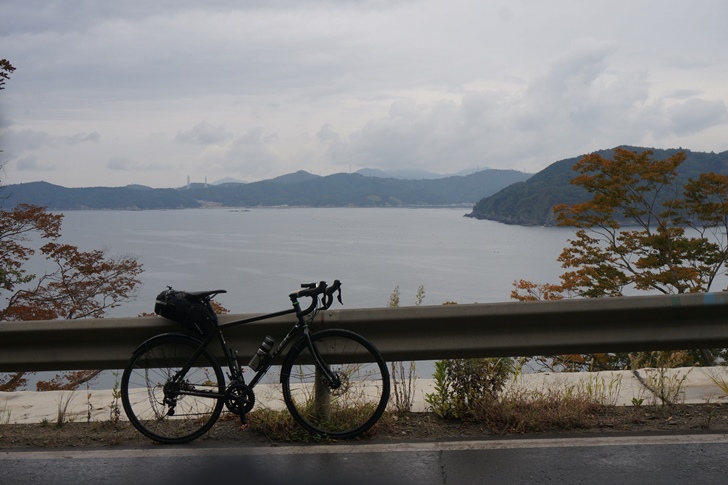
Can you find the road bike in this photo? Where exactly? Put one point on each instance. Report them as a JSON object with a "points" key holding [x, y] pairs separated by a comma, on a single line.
{"points": [[334, 382]]}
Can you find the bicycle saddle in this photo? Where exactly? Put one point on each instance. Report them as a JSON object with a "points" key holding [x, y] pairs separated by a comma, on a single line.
{"points": [[201, 295]]}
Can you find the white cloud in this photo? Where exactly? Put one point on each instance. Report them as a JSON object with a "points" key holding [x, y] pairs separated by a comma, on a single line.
{"points": [[257, 89]]}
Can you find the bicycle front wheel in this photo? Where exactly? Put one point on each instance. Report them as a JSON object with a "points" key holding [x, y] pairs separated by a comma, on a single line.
{"points": [[164, 406], [352, 403]]}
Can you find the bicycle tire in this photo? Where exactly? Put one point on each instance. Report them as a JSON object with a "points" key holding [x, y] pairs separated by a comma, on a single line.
{"points": [[339, 413], [181, 418]]}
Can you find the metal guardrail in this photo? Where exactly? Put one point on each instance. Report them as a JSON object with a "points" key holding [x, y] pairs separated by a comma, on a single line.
{"points": [[408, 333]]}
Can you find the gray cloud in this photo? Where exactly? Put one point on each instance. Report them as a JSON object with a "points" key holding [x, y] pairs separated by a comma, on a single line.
{"points": [[117, 163], [31, 163], [204, 133], [576, 97], [327, 84], [23, 141], [696, 115], [252, 153], [82, 138], [20, 142]]}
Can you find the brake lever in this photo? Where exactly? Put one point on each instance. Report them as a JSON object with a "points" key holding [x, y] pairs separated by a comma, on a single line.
{"points": [[329, 295]]}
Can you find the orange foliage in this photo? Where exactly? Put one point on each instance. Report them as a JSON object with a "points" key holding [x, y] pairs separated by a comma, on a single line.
{"points": [[529, 291], [633, 230], [79, 284], [639, 230]]}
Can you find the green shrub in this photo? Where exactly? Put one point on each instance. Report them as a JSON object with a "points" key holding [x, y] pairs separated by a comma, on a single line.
{"points": [[462, 385]]}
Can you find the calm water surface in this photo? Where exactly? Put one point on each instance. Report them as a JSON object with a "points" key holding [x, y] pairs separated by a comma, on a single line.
{"points": [[261, 255]]}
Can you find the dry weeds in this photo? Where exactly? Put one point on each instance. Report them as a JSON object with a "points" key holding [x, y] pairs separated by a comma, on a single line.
{"points": [[394, 428]]}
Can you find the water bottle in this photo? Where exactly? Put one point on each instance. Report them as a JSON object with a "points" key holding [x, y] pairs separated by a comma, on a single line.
{"points": [[261, 355]]}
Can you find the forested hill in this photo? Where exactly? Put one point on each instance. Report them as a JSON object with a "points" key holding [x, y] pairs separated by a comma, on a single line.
{"points": [[530, 202], [298, 189]]}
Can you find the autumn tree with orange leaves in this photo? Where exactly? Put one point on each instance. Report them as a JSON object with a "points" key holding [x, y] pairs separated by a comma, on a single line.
{"points": [[77, 284], [642, 230]]}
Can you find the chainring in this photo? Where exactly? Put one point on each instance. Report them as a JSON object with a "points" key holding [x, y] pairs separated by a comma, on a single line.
{"points": [[239, 398]]}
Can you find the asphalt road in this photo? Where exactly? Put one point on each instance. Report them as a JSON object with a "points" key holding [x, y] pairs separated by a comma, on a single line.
{"points": [[658, 459]]}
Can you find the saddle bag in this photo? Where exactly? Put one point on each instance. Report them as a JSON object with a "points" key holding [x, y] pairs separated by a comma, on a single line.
{"points": [[193, 313]]}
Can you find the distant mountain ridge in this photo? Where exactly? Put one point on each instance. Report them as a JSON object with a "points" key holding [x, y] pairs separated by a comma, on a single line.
{"points": [[412, 174], [531, 202], [227, 180], [297, 189]]}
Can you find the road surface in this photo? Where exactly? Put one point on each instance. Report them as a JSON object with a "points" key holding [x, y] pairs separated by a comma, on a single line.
{"points": [[664, 459]]}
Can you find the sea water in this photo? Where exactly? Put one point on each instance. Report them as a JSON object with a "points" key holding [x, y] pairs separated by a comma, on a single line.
{"points": [[260, 255]]}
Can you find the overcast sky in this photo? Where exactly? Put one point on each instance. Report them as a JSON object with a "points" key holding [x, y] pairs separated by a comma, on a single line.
{"points": [[151, 92]]}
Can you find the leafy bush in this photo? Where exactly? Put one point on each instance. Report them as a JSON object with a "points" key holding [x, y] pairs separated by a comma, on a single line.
{"points": [[463, 385]]}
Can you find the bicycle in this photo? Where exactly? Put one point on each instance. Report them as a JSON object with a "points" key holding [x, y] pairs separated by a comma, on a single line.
{"points": [[335, 383]]}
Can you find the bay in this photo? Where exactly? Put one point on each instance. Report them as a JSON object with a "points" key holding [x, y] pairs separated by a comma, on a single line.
{"points": [[261, 255]]}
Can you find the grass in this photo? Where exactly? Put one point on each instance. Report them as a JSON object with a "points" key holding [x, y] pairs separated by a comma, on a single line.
{"points": [[404, 384], [517, 409], [602, 390], [720, 378], [278, 425], [404, 380], [527, 412], [114, 408], [664, 384], [5, 414], [62, 415]]}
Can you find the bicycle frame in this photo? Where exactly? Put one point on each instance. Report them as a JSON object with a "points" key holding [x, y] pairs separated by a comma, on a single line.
{"points": [[300, 328], [334, 382]]}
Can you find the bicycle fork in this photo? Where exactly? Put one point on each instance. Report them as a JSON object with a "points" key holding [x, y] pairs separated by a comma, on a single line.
{"points": [[325, 380]]}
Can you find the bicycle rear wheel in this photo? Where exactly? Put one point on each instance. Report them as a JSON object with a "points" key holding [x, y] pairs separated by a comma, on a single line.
{"points": [[168, 410], [343, 409]]}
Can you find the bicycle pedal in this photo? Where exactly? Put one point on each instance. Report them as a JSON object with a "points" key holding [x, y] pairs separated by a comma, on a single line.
{"points": [[243, 427]]}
